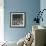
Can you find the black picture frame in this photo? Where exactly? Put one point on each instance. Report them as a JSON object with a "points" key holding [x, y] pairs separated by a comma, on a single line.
{"points": [[17, 19]]}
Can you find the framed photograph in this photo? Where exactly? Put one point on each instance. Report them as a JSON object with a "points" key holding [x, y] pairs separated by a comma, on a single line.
{"points": [[17, 19]]}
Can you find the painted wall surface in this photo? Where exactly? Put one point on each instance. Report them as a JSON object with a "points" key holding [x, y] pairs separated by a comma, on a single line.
{"points": [[28, 6], [43, 6]]}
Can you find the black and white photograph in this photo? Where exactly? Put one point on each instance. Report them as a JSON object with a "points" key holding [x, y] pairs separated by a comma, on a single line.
{"points": [[17, 19]]}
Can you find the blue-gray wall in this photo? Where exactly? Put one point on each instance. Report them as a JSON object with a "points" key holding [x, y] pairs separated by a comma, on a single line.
{"points": [[28, 6], [43, 6]]}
